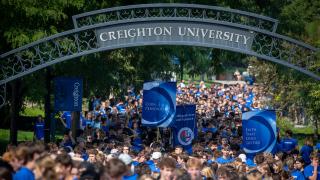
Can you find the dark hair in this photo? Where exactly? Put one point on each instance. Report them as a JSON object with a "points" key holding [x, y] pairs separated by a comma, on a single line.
{"points": [[5, 174], [300, 159], [64, 159], [167, 162], [181, 174], [115, 168], [228, 171], [89, 171], [24, 153], [142, 169], [289, 132], [259, 158]]}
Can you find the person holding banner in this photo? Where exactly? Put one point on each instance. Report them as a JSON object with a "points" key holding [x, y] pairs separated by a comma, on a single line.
{"points": [[66, 119]]}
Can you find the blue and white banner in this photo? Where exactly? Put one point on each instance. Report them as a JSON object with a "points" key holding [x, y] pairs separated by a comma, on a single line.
{"points": [[259, 131], [68, 94], [184, 126], [159, 103]]}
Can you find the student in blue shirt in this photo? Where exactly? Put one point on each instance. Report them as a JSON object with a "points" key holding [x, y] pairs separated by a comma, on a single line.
{"points": [[225, 158], [127, 160], [306, 150], [299, 165], [288, 144], [64, 166], [312, 171], [66, 119], [39, 128], [295, 173], [25, 157], [153, 164], [167, 166]]}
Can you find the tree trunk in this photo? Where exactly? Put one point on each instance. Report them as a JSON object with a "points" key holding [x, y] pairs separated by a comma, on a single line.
{"points": [[316, 128], [14, 110], [47, 106], [181, 71], [202, 76], [75, 119]]}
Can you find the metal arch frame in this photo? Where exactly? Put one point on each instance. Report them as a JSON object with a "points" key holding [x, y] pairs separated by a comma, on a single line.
{"points": [[233, 12], [57, 54], [3, 56]]}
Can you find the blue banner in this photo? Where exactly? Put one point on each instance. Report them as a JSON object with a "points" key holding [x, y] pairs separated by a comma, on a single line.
{"points": [[259, 131], [159, 103], [68, 94], [184, 126]]}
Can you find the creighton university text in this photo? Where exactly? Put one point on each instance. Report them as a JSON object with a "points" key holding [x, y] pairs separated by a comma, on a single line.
{"points": [[182, 31]]}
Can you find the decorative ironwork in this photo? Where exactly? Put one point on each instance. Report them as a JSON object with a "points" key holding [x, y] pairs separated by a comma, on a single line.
{"points": [[186, 11], [83, 41]]}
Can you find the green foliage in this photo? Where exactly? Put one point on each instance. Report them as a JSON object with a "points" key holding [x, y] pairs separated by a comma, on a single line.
{"points": [[30, 20], [32, 112], [296, 15], [285, 124]]}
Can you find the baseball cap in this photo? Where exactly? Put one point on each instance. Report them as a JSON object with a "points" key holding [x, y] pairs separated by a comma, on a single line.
{"points": [[156, 155], [126, 158], [243, 157], [114, 151]]}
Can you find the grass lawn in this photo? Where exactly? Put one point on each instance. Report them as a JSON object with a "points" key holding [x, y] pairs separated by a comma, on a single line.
{"points": [[22, 136], [299, 133], [32, 112], [5, 135]]}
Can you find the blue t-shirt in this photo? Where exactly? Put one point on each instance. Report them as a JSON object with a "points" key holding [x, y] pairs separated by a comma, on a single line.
{"points": [[288, 144], [154, 168], [96, 124], [67, 117], [24, 174], [89, 122], [221, 160], [297, 175], [105, 128], [96, 103], [308, 171], [39, 128], [305, 153], [135, 163], [121, 108], [210, 161], [83, 122], [213, 130], [250, 162], [132, 177]]}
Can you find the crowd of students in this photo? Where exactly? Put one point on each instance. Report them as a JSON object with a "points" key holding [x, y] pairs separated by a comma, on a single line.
{"points": [[112, 144]]}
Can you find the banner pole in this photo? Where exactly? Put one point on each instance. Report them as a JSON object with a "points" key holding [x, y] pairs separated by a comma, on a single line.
{"points": [[158, 134]]}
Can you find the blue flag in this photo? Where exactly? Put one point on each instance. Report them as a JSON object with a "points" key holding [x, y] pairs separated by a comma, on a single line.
{"points": [[68, 94], [184, 126], [259, 131], [159, 103]]}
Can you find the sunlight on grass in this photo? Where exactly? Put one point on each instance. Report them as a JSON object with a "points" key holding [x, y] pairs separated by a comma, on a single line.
{"points": [[32, 112]]}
